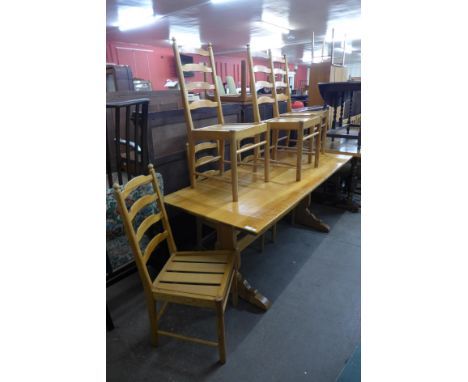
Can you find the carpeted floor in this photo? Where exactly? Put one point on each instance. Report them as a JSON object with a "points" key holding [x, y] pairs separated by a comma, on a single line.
{"points": [[310, 332]]}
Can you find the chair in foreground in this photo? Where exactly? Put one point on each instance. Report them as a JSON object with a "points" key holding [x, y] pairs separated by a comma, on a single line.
{"points": [[306, 128], [202, 278], [214, 137]]}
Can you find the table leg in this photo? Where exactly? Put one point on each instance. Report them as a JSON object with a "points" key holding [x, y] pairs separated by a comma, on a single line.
{"points": [[227, 239], [303, 216]]}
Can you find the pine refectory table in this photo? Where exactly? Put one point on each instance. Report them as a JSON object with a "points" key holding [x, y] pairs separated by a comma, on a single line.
{"points": [[261, 205]]}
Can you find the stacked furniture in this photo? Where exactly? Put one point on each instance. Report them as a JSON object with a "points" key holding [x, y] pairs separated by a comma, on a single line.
{"points": [[306, 128], [213, 138]]}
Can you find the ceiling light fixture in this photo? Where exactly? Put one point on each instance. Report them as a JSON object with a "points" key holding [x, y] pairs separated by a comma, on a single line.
{"points": [[220, 1], [136, 17]]}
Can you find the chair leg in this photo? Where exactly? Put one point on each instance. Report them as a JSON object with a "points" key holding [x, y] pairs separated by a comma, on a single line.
{"points": [[323, 133], [317, 150], [220, 326], [266, 156], [191, 163], [273, 233], [234, 290], [299, 144], [221, 154], [256, 152], [309, 147], [275, 144], [199, 226], [153, 316], [235, 195]]}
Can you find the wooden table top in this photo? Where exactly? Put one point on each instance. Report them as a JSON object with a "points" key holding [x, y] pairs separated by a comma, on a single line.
{"points": [[260, 204]]}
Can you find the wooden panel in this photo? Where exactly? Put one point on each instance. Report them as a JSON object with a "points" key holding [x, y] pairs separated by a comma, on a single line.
{"points": [[191, 278], [196, 267]]}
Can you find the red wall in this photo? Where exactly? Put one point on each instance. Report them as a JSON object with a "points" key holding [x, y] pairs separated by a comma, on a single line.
{"points": [[157, 64]]}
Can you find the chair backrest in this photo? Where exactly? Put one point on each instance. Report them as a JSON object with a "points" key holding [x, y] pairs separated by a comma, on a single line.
{"points": [[136, 234], [267, 98], [281, 80], [197, 85], [126, 139]]}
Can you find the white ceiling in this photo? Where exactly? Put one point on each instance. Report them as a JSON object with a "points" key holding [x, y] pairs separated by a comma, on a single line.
{"points": [[286, 25]]}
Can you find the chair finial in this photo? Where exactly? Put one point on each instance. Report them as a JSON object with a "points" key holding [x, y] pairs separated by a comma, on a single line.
{"points": [[150, 166], [116, 186]]}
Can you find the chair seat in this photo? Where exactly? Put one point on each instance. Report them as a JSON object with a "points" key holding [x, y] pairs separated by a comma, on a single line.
{"points": [[292, 123], [300, 114], [198, 276], [231, 127], [224, 131]]}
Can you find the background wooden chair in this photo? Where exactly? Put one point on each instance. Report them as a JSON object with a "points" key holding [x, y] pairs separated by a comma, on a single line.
{"points": [[302, 112], [202, 278], [305, 128], [213, 137]]}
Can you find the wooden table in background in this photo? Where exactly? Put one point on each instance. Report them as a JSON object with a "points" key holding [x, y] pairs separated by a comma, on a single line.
{"points": [[260, 205]]}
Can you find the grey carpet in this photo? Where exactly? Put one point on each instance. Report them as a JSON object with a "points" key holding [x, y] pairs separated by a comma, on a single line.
{"points": [[311, 330]]}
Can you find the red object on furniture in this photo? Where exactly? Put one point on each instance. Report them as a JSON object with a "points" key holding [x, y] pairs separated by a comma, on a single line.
{"points": [[297, 104]]}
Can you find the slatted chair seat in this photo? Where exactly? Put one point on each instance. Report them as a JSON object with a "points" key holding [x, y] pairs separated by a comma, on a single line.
{"points": [[191, 275], [202, 278]]}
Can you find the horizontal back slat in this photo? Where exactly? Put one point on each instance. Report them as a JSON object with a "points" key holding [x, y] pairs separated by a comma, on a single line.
{"points": [[148, 222], [205, 160], [265, 99], [282, 97], [279, 71], [199, 85], [280, 84], [196, 68], [140, 203], [279, 59], [153, 244], [202, 103], [263, 84], [261, 69], [200, 52], [205, 146], [134, 183]]}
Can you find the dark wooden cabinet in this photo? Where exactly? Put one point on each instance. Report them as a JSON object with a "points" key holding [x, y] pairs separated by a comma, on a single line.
{"points": [[118, 78]]}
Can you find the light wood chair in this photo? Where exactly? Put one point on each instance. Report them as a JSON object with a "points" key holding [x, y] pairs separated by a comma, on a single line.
{"points": [[306, 128], [303, 112], [214, 137], [202, 278]]}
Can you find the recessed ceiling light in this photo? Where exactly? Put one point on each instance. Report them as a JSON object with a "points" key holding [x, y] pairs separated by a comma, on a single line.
{"points": [[220, 1], [136, 17]]}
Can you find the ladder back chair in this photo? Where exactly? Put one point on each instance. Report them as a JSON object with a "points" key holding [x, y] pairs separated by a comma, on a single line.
{"points": [[299, 113], [201, 278], [306, 128], [214, 137]]}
